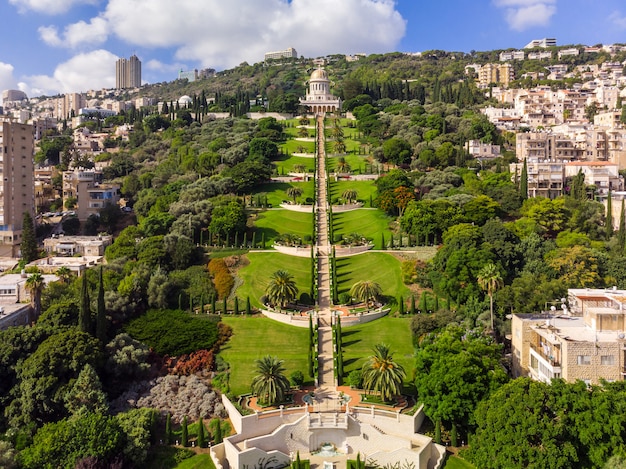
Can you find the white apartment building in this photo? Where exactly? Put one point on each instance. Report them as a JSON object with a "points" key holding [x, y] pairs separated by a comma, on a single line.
{"points": [[540, 55], [545, 42], [483, 151], [289, 53], [568, 52], [512, 55], [90, 194], [602, 174]]}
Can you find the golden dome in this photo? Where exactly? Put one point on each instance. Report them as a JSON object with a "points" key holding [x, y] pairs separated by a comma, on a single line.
{"points": [[319, 74]]}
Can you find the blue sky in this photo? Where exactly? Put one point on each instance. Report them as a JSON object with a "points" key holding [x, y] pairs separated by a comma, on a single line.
{"points": [[55, 46]]}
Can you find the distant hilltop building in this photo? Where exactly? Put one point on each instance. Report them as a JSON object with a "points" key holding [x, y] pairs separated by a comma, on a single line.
{"points": [[193, 75], [128, 73], [318, 99], [289, 53], [13, 96], [546, 42]]}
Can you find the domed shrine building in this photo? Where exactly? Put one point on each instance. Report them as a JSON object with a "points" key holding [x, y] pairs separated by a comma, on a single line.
{"points": [[318, 98]]}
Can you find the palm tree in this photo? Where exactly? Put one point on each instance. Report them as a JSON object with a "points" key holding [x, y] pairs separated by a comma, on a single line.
{"points": [[270, 384], [342, 165], [64, 274], [349, 195], [299, 168], [380, 373], [303, 132], [366, 290], [282, 288], [35, 284], [294, 193], [340, 147], [489, 280]]}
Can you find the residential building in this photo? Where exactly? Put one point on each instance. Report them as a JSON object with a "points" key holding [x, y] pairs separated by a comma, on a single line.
{"points": [[15, 314], [578, 338], [511, 55], [568, 52], [73, 245], [546, 42], [85, 187], [10, 97], [16, 184], [501, 74], [602, 174], [483, 151], [128, 73], [77, 265], [545, 178], [289, 53], [539, 55]]}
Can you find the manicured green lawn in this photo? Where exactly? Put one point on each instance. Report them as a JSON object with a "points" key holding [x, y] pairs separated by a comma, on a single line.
{"points": [[358, 164], [255, 337], [454, 462], [275, 222], [358, 342], [285, 164], [199, 461], [292, 146], [379, 267], [364, 190], [276, 192], [367, 222], [262, 265]]}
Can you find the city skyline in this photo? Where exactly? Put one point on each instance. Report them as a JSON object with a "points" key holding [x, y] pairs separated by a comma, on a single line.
{"points": [[57, 47]]}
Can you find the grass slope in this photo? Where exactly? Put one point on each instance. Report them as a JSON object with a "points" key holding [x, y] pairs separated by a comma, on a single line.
{"points": [[262, 265], [369, 223], [364, 190], [358, 342], [455, 462], [276, 192], [255, 337], [379, 267], [276, 222], [285, 164]]}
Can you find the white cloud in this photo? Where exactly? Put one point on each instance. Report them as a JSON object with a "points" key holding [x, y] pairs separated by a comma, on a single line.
{"points": [[51, 7], [7, 81], [524, 14], [77, 35], [92, 70], [223, 34], [618, 19]]}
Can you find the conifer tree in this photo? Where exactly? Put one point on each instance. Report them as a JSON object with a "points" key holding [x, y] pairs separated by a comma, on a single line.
{"points": [[168, 429], [412, 308], [621, 232], [236, 307], [201, 434], [101, 318], [608, 225], [28, 246], [217, 436], [248, 307], [184, 436], [84, 312], [523, 183]]}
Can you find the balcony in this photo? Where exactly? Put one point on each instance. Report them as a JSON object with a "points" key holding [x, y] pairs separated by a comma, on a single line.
{"points": [[550, 359]]}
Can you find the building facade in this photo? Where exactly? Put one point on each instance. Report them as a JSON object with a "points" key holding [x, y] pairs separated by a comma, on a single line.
{"points": [[289, 53], [128, 73], [17, 195], [85, 188], [584, 341]]}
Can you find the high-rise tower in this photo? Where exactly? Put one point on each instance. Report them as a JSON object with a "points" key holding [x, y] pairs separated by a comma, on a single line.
{"points": [[128, 73]]}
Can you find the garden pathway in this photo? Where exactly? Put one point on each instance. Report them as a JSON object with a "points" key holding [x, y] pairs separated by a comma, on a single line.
{"points": [[326, 382]]}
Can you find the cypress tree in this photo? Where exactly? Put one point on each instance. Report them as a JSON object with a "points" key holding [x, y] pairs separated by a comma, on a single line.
{"points": [[217, 437], [84, 313], [236, 308], [253, 246], [201, 435], [412, 310], [436, 308], [184, 436], [213, 306], [263, 240], [401, 305], [438, 432], [454, 436], [168, 429], [423, 303], [523, 184], [608, 228], [621, 232], [225, 307], [248, 307], [101, 318], [28, 246], [382, 241]]}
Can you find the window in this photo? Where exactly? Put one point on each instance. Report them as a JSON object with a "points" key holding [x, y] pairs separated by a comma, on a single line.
{"points": [[607, 360], [584, 359]]}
